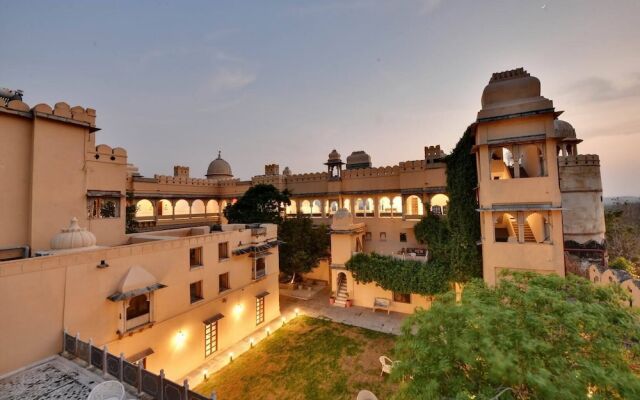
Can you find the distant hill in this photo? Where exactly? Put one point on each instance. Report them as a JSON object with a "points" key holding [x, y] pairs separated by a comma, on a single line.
{"points": [[616, 201]]}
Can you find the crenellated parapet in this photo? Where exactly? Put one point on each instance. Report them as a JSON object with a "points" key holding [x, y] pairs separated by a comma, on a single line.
{"points": [[61, 109], [371, 172], [409, 166], [184, 180], [107, 154], [308, 177], [579, 160]]}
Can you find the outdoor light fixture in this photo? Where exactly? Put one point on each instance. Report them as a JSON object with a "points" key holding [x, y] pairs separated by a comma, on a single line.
{"points": [[268, 331], [231, 357], [284, 321], [297, 311], [103, 264], [205, 374], [251, 342]]}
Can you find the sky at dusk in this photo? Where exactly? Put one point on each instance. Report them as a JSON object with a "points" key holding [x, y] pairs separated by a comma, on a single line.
{"points": [[287, 81]]}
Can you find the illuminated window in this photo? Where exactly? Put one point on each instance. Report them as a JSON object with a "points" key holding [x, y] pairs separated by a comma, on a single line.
{"points": [[138, 306], [210, 338], [259, 310]]}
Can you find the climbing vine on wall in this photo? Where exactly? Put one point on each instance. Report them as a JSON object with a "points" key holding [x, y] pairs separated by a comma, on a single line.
{"points": [[402, 276]]}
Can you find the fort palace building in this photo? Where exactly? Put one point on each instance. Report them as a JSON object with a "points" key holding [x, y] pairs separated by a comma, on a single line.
{"points": [[177, 292]]}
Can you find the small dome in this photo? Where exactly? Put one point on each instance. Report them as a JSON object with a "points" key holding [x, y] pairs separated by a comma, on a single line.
{"points": [[73, 237], [563, 129], [219, 168], [359, 159], [342, 219], [334, 155], [286, 171], [512, 92]]}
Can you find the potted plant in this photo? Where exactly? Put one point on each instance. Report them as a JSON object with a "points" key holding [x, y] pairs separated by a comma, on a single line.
{"points": [[332, 298], [349, 301]]}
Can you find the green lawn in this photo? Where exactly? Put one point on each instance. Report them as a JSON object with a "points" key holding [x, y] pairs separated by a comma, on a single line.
{"points": [[307, 359]]}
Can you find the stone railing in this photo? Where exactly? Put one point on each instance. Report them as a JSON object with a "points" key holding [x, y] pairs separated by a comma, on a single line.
{"points": [[144, 381]]}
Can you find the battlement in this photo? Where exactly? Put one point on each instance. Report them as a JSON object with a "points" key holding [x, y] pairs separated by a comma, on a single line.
{"points": [[309, 177], [371, 172], [184, 180], [180, 171], [105, 153], [77, 113], [272, 169], [510, 74], [416, 165], [579, 160], [433, 153]]}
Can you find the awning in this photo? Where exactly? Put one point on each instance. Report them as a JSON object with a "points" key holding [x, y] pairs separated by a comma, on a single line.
{"points": [[140, 355], [119, 296], [213, 319], [262, 294], [104, 193], [256, 249]]}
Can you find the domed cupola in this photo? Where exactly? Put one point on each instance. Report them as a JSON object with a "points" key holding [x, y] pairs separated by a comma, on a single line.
{"points": [[359, 159], [219, 169], [73, 237]]}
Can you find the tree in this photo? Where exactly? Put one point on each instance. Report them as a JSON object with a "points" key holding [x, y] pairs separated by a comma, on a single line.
{"points": [[463, 218], [530, 337], [623, 231], [433, 231], [304, 244], [131, 225], [260, 204], [623, 264]]}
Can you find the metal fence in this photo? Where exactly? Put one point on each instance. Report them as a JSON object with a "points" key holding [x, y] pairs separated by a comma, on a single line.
{"points": [[132, 374]]}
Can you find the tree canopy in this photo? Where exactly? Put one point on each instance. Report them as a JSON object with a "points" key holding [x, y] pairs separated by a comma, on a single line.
{"points": [[260, 204], [304, 244], [530, 337]]}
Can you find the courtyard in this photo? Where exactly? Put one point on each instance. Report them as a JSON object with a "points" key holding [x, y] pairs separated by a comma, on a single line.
{"points": [[308, 358]]}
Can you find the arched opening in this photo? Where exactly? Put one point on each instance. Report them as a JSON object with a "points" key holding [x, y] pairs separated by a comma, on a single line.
{"points": [[144, 208], [316, 208], [360, 208], [384, 207], [305, 207], [165, 208], [396, 206], [333, 207], [213, 207], [537, 228], [439, 204], [182, 207], [341, 284], [197, 207], [346, 203], [369, 207], [291, 208], [415, 208], [223, 205]]}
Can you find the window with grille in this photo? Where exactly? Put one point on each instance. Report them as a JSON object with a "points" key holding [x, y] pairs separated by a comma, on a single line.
{"points": [[210, 338], [259, 310]]}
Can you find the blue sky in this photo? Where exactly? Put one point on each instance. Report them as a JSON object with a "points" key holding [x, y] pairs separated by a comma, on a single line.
{"points": [[287, 81]]}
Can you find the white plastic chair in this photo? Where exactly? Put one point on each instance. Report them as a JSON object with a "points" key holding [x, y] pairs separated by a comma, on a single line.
{"points": [[366, 395], [109, 390], [387, 365]]}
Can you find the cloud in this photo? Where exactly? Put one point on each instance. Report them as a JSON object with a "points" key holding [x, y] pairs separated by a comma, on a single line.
{"points": [[601, 89], [231, 79]]}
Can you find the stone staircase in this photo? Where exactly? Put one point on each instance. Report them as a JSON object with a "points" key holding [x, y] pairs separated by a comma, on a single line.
{"points": [[528, 233], [341, 294]]}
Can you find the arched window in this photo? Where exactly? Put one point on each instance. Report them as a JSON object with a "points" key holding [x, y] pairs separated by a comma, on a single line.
{"points": [[360, 208], [316, 208], [144, 208], [384, 207], [213, 207], [439, 204], [291, 208], [369, 207], [182, 207], [223, 205], [197, 207], [305, 207], [165, 207], [415, 208], [333, 207], [346, 203], [396, 206], [138, 306]]}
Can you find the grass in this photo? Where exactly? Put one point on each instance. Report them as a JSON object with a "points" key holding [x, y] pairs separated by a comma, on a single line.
{"points": [[309, 359]]}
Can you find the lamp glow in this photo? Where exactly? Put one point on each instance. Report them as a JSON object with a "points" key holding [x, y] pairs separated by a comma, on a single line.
{"points": [[268, 331], [297, 310], [284, 321], [204, 372], [251, 342], [231, 357]]}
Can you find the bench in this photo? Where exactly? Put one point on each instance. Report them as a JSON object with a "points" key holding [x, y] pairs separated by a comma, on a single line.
{"points": [[382, 304]]}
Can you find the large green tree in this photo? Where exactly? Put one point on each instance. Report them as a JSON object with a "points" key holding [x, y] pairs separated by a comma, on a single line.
{"points": [[261, 203], [530, 337], [304, 244]]}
